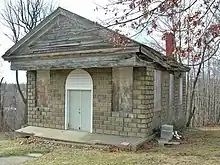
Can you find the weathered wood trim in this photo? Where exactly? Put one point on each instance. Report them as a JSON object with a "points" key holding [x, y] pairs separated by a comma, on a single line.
{"points": [[75, 54], [33, 32], [61, 41], [161, 60], [101, 43], [88, 45], [129, 60], [154, 57]]}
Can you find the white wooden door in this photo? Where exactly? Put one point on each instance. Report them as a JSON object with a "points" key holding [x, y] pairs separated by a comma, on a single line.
{"points": [[80, 110], [86, 114], [74, 106], [78, 107]]}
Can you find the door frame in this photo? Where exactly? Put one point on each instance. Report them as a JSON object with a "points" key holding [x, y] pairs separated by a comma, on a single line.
{"points": [[67, 89]]}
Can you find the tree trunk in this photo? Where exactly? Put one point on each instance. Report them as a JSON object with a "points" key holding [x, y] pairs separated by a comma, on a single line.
{"points": [[203, 97], [191, 109], [23, 98], [1, 105]]}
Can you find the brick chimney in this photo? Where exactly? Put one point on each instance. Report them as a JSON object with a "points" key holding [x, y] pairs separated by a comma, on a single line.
{"points": [[170, 44]]}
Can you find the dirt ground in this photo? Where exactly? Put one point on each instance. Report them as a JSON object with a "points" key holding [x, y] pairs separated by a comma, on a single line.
{"points": [[197, 147]]}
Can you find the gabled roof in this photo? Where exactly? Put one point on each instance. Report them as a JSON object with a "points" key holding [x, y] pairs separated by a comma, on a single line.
{"points": [[47, 39], [34, 31], [49, 20]]}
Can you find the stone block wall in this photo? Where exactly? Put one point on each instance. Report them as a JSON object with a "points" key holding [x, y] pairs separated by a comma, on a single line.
{"points": [[138, 122], [31, 98], [161, 117], [143, 99], [50, 115], [105, 120], [125, 123], [53, 115], [174, 113], [102, 99], [165, 94], [56, 112]]}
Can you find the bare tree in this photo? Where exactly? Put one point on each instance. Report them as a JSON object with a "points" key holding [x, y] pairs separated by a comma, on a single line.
{"points": [[21, 16], [2, 100], [193, 23]]}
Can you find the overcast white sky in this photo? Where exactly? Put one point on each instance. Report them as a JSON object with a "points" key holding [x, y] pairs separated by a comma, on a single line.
{"points": [[84, 8]]}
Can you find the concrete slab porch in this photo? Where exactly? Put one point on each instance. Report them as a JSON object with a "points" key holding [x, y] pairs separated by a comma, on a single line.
{"points": [[132, 143]]}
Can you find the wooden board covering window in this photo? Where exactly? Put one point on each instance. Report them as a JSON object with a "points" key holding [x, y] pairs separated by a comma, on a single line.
{"points": [[157, 90]]}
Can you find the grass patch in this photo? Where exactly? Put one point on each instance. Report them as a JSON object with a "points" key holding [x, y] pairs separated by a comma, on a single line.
{"points": [[201, 148], [94, 157], [14, 148], [3, 136]]}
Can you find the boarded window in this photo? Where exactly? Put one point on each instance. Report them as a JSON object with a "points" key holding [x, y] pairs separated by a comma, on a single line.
{"points": [[157, 90], [181, 91], [171, 99], [122, 89], [43, 82]]}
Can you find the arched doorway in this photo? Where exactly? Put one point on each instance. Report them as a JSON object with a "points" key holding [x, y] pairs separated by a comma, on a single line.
{"points": [[79, 101]]}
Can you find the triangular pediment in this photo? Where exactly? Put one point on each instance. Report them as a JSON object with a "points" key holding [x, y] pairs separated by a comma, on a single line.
{"points": [[63, 31], [69, 35]]}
